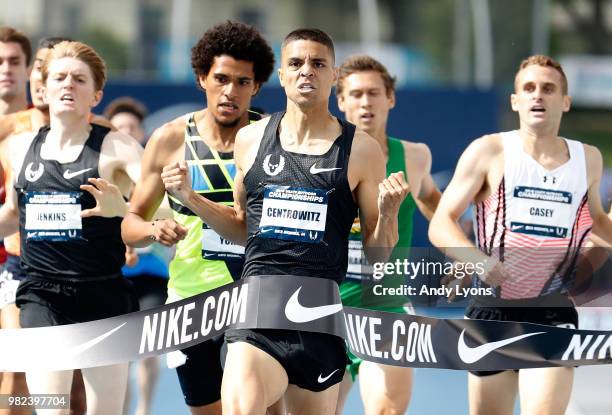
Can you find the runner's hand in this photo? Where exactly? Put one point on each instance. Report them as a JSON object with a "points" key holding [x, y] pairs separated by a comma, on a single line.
{"points": [[109, 200], [495, 273], [177, 181], [131, 257], [168, 232], [391, 193], [451, 279]]}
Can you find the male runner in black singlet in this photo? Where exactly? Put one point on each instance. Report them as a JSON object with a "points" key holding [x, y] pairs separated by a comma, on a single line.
{"points": [[304, 152]]}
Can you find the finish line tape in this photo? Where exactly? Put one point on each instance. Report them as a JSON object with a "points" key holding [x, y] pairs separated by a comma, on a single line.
{"points": [[307, 304]]}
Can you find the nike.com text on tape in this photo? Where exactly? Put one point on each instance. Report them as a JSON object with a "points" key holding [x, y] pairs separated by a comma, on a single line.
{"points": [[174, 327]]}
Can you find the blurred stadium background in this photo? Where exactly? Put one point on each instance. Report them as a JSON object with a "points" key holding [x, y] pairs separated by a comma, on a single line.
{"points": [[454, 60]]}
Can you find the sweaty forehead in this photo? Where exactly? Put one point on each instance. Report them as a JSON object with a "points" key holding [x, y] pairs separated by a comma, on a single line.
{"points": [[306, 49]]}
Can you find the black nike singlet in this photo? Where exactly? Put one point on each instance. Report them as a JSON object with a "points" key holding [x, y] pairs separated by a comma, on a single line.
{"points": [[55, 241], [300, 208]]}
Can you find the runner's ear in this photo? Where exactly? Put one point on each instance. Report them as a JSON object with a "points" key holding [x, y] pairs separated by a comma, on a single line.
{"points": [[567, 103], [97, 98]]}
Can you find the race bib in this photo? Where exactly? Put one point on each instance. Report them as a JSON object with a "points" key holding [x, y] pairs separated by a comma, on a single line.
{"points": [[215, 247], [53, 216], [541, 212], [293, 213]]}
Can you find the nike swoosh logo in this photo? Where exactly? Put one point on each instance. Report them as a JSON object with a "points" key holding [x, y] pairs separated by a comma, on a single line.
{"points": [[474, 354], [91, 343], [316, 170], [297, 313], [324, 379], [68, 175]]}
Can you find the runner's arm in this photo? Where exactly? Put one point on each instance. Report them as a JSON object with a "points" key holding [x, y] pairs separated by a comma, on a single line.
{"points": [[602, 224], [137, 228], [378, 198], [468, 180], [422, 187], [129, 152], [428, 198], [17, 146], [229, 222], [9, 212]]}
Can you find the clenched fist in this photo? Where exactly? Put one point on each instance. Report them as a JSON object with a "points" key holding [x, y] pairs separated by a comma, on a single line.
{"points": [[391, 193], [177, 181], [167, 232]]}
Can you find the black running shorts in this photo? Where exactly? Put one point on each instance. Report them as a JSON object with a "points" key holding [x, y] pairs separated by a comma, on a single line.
{"points": [[313, 361], [200, 376], [47, 302]]}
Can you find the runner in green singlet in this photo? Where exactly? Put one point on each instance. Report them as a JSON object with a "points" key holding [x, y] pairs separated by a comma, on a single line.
{"points": [[366, 93], [231, 61]]}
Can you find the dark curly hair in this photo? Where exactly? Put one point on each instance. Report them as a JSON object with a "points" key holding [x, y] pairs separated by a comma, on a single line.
{"points": [[238, 40]]}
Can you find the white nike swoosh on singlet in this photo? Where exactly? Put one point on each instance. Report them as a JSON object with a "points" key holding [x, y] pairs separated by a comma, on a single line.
{"points": [[297, 313], [322, 379], [474, 354], [316, 170], [69, 175]]}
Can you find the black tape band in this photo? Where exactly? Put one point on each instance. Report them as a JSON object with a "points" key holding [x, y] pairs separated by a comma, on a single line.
{"points": [[307, 304]]}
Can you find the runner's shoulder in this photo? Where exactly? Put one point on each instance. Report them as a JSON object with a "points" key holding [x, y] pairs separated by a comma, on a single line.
{"points": [[364, 145], [20, 140], [170, 135], [14, 123], [252, 132], [593, 160], [591, 153], [102, 121], [117, 136], [416, 154], [489, 145]]}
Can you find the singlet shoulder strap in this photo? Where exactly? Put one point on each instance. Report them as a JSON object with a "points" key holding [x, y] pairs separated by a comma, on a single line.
{"points": [[190, 126], [273, 124], [96, 137], [576, 150], [268, 141], [397, 160]]}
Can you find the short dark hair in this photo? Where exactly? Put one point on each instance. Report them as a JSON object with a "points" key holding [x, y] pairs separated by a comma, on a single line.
{"points": [[363, 63], [9, 34], [235, 39], [49, 42], [126, 104], [315, 35]]}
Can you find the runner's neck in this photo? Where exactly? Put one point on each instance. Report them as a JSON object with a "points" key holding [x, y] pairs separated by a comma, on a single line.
{"points": [[17, 104], [302, 125]]}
